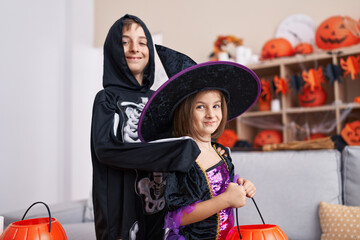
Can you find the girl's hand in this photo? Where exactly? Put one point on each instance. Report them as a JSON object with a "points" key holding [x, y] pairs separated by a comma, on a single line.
{"points": [[235, 195], [222, 151], [249, 187]]}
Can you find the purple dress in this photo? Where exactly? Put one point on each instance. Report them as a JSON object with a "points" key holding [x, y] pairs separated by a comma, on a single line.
{"points": [[218, 179]]}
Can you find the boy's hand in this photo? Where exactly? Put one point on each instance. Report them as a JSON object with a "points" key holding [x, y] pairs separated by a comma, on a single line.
{"points": [[222, 151]]}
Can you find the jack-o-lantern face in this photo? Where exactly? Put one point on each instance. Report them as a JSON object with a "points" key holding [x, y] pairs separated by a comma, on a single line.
{"points": [[309, 98], [267, 137], [337, 32], [303, 48], [277, 47], [351, 133]]}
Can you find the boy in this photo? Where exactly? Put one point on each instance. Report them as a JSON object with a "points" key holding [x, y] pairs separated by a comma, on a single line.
{"points": [[128, 176]]}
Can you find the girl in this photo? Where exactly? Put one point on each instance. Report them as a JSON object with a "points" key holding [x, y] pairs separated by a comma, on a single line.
{"points": [[196, 102]]}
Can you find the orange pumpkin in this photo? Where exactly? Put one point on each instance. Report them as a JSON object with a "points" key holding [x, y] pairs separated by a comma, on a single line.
{"points": [[357, 99], [228, 138], [351, 133], [304, 48], [336, 32], [277, 47], [312, 98], [36, 228], [267, 137], [257, 232]]}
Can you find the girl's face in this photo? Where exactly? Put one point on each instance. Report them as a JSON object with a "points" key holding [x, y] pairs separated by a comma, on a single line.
{"points": [[207, 113], [135, 48]]}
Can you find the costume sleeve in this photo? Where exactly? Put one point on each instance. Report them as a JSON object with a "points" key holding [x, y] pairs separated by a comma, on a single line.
{"points": [[184, 189], [172, 155]]}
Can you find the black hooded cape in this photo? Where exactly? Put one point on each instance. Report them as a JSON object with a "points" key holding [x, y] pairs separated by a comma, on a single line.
{"points": [[129, 176]]}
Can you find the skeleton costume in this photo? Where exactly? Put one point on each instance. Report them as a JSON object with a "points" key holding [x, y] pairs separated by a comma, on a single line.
{"points": [[241, 88], [129, 176]]}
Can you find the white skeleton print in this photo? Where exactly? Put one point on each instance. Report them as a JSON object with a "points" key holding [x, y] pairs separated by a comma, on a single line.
{"points": [[132, 111], [152, 191]]}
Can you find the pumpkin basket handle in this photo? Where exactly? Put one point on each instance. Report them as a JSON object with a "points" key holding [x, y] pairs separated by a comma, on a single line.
{"points": [[237, 218], [48, 209]]}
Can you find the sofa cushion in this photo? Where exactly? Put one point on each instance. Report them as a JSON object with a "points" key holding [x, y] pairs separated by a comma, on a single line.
{"points": [[89, 210], [351, 175], [290, 186], [80, 231], [339, 222]]}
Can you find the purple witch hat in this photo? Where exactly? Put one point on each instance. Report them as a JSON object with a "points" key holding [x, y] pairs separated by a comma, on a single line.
{"points": [[240, 85]]}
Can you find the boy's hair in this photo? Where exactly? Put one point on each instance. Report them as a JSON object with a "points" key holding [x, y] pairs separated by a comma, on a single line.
{"points": [[128, 22], [183, 116]]}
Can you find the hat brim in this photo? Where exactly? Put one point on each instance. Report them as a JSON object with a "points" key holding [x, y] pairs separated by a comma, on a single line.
{"points": [[241, 85]]}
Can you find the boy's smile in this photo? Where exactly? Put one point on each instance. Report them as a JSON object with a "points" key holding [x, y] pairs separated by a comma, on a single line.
{"points": [[136, 50]]}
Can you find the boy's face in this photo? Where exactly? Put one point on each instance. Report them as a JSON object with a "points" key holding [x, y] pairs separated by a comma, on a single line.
{"points": [[135, 48]]}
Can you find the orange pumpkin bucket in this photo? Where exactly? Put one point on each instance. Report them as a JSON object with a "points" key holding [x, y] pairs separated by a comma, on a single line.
{"points": [[46, 228], [256, 231]]}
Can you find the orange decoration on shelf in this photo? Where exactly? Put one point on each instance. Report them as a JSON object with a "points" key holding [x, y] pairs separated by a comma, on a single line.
{"points": [[222, 41], [357, 99], [267, 137], [351, 133], [316, 136], [228, 138], [336, 32], [304, 48], [277, 47], [265, 96], [313, 78], [351, 66], [280, 85], [309, 98]]}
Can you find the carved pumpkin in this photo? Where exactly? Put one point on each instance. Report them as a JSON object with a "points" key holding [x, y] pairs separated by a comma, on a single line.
{"points": [[257, 232], [267, 137], [303, 48], [351, 133], [309, 98], [336, 32], [277, 47], [228, 138]]}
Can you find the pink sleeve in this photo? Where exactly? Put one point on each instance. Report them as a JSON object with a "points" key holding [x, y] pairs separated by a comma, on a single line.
{"points": [[173, 221]]}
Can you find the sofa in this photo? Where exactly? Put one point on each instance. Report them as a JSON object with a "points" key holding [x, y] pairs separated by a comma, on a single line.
{"points": [[290, 187]]}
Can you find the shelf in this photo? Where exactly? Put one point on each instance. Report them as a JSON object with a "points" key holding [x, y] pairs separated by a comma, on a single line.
{"points": [[261, 113], [340, 97], [311, 109]]}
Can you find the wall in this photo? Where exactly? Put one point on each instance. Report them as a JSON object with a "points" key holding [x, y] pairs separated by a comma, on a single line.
{"points": [[49, 73], [192, 26]]}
